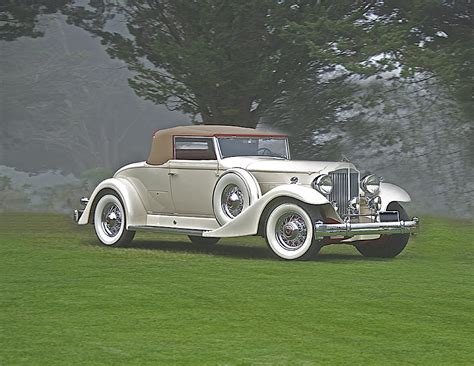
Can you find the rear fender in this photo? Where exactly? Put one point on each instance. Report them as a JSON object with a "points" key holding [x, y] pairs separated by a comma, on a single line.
{"points": [[248, 221], [134, 209], [392, 193]]}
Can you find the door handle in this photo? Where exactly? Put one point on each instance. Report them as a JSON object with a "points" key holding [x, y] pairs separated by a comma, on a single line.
{"points": [[172, 174]]}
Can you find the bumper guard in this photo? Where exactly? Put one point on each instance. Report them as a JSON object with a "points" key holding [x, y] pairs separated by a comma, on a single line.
{"points": [[76, 215]]}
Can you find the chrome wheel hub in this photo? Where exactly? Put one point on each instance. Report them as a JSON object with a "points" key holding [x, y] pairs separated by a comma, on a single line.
{"points": [[111, 219], [232, 200], [291, 231]]}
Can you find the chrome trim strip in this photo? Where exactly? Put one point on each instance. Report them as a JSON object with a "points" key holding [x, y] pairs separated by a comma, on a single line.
{"points": [[370, 228], [165, 229]]}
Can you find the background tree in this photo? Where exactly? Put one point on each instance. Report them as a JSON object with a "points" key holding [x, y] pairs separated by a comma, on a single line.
{"points": [[65, 105], [228, 62], [20, 18], [434, 36], [223, 60]]}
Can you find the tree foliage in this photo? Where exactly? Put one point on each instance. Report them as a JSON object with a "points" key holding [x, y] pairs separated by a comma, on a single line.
{"points": [[20, 18], [412, 36], [230, 61], [224, 60]]}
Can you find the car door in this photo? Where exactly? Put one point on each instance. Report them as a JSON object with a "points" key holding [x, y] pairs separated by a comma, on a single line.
{"points": [[193, 174], [153, 184]]}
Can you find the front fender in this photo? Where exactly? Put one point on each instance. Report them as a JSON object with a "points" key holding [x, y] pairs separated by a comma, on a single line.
{"points": [[392, 193], [247, 222], [134, 209]]}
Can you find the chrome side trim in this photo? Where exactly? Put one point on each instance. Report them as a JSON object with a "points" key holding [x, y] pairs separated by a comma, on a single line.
{"points": [[165, 229], [347, 229]]}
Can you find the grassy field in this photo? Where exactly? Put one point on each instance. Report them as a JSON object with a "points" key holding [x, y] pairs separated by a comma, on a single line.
{"points": [[66, 300]]}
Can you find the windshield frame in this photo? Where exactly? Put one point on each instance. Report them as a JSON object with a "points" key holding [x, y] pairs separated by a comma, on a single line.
{"points": [[256, 136]]}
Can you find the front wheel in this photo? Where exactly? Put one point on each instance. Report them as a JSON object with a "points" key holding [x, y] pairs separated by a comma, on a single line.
{"points": [[387, 246], [110, 221], [289, 232]]}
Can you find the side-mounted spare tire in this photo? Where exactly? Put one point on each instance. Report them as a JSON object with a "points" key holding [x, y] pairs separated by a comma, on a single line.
{"points": [[235, 191]]}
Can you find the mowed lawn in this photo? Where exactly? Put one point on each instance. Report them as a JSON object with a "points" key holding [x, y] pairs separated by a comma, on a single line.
{"points": [[66, 300]]}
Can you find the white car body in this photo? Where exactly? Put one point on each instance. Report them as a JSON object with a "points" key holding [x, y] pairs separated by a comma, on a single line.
{"points": [[178, 195]]}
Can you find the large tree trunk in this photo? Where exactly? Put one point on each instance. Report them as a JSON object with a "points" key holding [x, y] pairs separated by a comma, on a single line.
{"points": [[234, 113]]}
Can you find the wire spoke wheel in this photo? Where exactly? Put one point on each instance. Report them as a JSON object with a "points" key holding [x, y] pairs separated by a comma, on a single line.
{"points": [[291, 231], [110, 220], [232, 200]]}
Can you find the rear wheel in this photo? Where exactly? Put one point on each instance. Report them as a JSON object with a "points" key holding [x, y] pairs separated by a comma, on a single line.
{"points": [[289, 231], [387, 246], [200, 240], [110, 221]]}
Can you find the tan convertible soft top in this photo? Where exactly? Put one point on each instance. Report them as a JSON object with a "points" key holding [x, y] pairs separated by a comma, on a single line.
{"points": [[162, 144]]}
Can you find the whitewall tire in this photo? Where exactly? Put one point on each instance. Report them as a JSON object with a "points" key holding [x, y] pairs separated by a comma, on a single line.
{"points": [[235, 191], [387, 246], [289, 232], [110, 221]]}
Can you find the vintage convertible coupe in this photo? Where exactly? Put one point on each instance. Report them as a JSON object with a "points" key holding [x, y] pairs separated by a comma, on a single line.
{"points": [[211, 182]]}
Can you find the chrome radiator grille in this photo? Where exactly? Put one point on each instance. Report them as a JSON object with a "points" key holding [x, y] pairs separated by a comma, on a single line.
{"points": [[346, 187]]}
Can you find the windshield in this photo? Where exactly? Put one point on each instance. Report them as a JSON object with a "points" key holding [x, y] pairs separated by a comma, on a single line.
{"points": [[254, 146]]}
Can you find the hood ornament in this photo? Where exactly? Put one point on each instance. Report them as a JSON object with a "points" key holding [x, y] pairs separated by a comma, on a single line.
{"points": [[345, 158]]}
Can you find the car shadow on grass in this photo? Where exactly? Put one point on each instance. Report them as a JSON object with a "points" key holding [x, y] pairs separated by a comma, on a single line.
{"points": [[236, 251], [225, 250]]}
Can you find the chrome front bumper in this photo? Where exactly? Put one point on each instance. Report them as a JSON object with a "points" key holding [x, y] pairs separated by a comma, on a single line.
{"points": [[347, 229]]}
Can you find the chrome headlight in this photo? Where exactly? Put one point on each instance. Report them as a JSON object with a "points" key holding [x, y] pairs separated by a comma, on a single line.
{"points": [[370, 184], [323, 184]]}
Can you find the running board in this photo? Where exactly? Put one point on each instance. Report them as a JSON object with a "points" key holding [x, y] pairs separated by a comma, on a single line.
{"points": [[163, 229]]}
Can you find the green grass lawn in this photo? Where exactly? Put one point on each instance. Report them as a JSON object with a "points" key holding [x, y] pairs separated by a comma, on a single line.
{"points": [[66, 300]]}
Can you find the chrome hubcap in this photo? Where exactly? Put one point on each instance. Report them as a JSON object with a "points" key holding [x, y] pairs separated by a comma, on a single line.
{"points": [[232, 200], [291, 231], [111, 219]]}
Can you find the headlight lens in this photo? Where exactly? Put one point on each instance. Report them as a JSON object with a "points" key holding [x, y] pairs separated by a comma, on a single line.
{"points": [[370, 184], [323, 184]]}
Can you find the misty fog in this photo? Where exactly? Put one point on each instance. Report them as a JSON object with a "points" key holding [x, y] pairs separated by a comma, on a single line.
{"points": [[68, 118]]}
